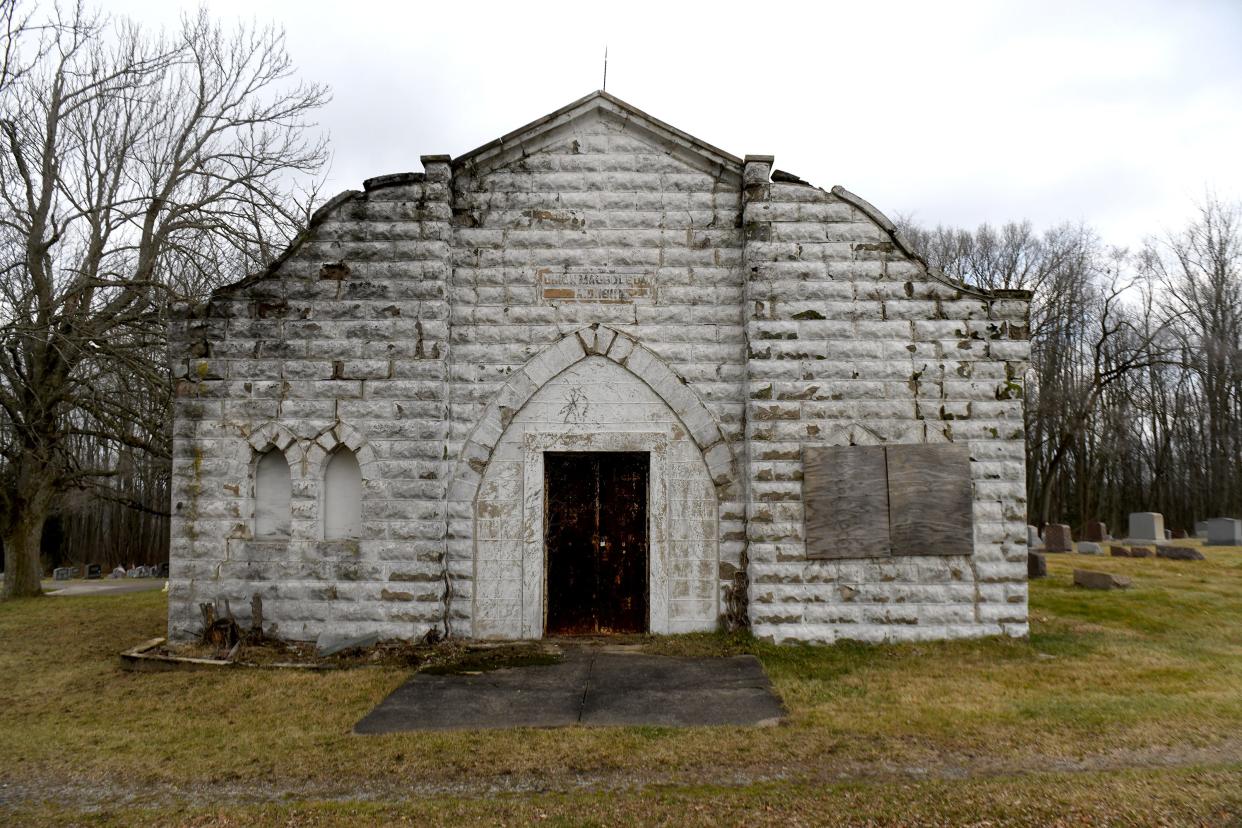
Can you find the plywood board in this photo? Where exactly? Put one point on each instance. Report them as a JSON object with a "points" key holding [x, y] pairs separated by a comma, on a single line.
{"points": [[931, 507], [845, 495]]}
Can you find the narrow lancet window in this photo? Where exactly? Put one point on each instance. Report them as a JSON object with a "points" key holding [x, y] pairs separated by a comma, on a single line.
{"points": [[272, 492], [342, 498]]}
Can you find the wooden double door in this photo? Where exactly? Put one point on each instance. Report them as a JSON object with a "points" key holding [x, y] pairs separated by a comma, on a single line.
{"points": [[595, 537]]}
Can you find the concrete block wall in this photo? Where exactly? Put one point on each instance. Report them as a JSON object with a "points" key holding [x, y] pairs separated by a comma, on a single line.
{"points": [[853, 342]]}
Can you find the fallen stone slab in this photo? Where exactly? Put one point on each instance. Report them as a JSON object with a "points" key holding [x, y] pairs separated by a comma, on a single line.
{"points": [[330, 643], [1100, 580], [1036, 565], [1088, 548], [1179, 553]]}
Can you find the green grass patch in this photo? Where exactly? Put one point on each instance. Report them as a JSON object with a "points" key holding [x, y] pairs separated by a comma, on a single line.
{"points": [[1153, 673]]}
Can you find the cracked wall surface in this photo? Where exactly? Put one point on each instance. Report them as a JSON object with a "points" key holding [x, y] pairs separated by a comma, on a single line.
{"points": [[594, 276]]}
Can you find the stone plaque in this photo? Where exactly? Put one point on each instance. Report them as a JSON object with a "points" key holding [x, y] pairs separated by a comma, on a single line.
{"points": [[931, 507], [604, 285], [845, 494]]}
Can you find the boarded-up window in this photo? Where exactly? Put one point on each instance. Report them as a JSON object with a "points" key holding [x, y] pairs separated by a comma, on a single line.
{"points": [[272, 493], [881, 501], [342, 497], [846, 502]]}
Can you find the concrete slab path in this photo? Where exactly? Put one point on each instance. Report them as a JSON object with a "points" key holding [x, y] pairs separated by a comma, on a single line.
{"points": [[592, 686]]}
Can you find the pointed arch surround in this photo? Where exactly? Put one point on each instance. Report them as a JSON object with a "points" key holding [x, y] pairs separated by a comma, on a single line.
{"points": [[496, 549], [596, 340]]}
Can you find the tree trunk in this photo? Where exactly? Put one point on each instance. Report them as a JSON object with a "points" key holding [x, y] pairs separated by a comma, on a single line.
{"points": [[23, 571]]}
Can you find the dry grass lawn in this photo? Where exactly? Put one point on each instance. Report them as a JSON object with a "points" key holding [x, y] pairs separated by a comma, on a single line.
{"points": [[1122, 708]]}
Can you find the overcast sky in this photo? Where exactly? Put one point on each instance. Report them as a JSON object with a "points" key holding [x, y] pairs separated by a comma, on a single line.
{"points": [[1119, 114]]}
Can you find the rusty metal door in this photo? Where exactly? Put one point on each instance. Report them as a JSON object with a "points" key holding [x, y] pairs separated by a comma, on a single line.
{"points": [[595, 536]]}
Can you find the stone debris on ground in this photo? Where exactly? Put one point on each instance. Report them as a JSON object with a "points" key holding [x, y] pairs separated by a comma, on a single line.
{"points": [[1178, 553], [1100, 580], [330, 643]]}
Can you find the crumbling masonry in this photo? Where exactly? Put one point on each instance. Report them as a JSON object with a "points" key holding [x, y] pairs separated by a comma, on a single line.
{"points": [[601, 281]]}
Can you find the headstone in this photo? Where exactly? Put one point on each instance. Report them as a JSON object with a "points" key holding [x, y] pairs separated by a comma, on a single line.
{"points": [[132, 573], [1179, 534], [1095, 532], [1100, 580], [1224, 532], [1057, 538], [1168, 534], [1036, 565], [1119, 551], [1146, 526], [94, 572], [1088, 548], [62, 573], [1178, 553], [119, 572], [1032, 538], [330, 643], [163, 570], [1201, 529], [1140, 551]]}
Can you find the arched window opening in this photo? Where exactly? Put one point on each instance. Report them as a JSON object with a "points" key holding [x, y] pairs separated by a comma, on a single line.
{"points": [[342, 496], [273, 489]]}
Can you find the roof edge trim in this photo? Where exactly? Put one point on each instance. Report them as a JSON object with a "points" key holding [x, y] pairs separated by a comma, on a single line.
{"points": [[903, 244], [532, 128]]}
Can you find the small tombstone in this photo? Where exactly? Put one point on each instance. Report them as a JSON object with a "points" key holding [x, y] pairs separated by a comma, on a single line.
{"points": [[62, 573], [1095, 531], [1119, 551], [1100, 580], [1146, 526], [119, 572], [1057, 538], [1224, 532], [1140, 551], [94, 572], [1178, 553], [1179, 534], [1036, 565], [1201, 529], [1088, 548], [132, 573], [163, 570], [1168, 534], [1032, 538]]}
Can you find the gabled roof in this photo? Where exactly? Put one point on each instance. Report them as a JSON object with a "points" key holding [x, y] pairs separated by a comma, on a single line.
{"points": [[597, 102]]}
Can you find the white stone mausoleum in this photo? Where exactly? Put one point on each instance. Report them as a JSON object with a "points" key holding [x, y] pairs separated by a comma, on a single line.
{"points": [[594, 376]]}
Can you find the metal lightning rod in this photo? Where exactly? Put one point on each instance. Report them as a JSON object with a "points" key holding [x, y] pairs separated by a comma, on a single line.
{"points": [[605, 89]]}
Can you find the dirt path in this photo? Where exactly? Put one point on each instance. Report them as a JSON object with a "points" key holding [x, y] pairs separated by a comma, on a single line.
{"points": [[88, 795]]}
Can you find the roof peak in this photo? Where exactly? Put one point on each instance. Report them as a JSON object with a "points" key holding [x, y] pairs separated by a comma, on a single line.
{"points": [[595, 100]]}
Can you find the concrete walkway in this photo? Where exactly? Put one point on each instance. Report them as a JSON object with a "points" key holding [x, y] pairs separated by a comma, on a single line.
{"points": [[592, 686], [107, 586]]}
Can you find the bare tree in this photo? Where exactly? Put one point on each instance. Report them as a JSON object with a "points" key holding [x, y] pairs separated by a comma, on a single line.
{"points": [[134, 170]]}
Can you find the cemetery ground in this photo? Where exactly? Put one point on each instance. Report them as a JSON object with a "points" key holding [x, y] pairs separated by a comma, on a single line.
{"points": [[1123, 707]]}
